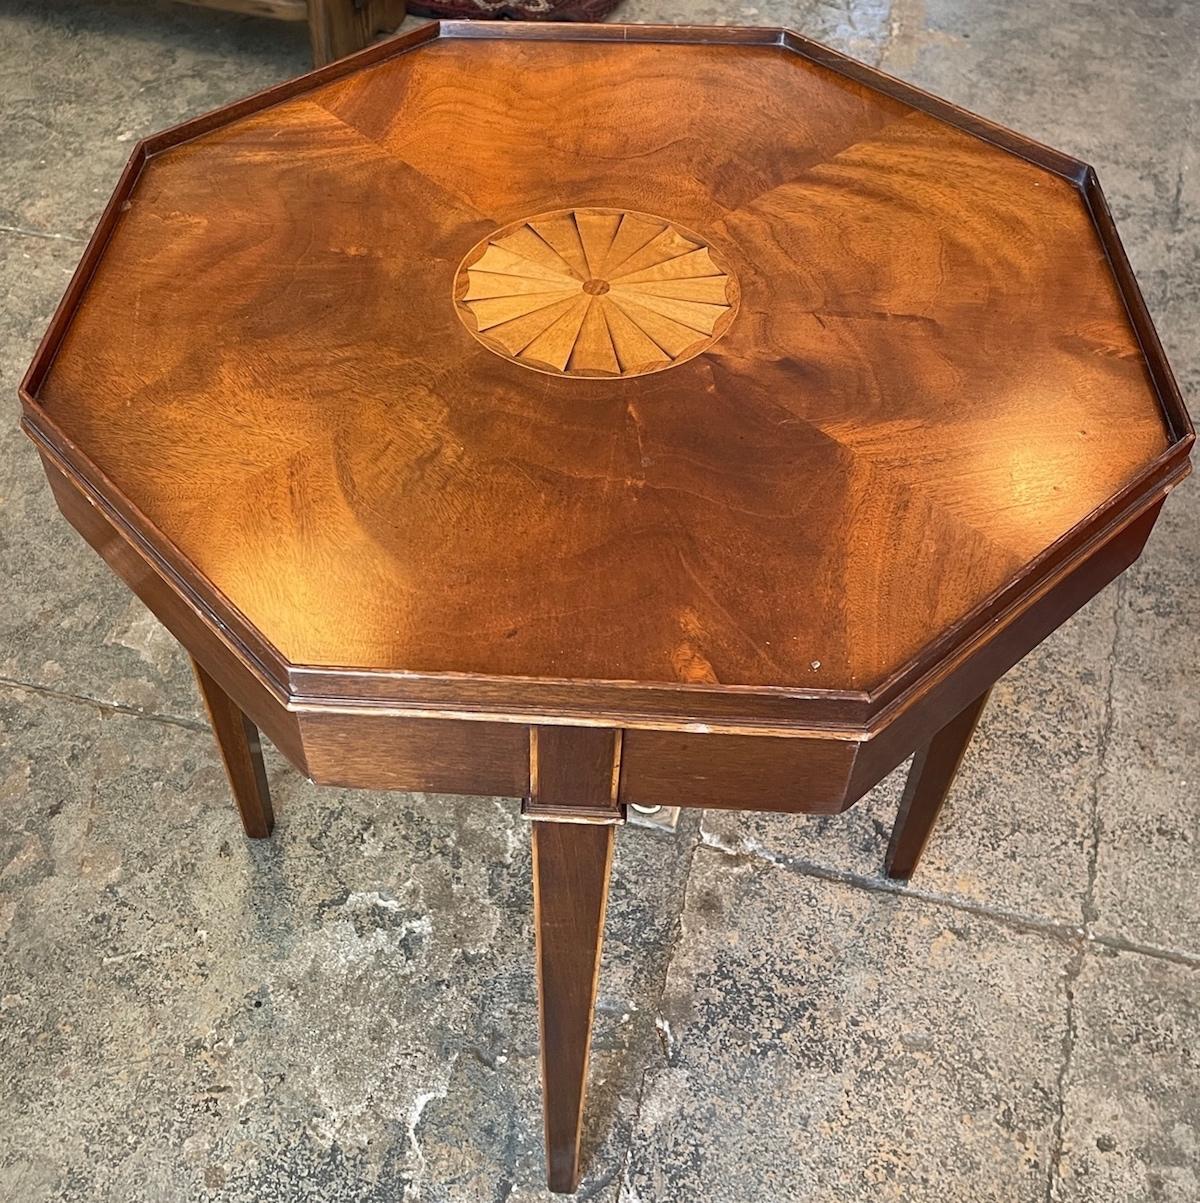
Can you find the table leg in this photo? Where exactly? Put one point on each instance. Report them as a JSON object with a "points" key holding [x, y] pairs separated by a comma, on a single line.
{"points": [[237, 740], [929, 782], [571, 864], [340, 27], [574, 776]]}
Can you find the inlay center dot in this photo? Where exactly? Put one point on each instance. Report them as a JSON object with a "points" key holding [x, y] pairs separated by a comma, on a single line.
{"points": [[596, 288]]}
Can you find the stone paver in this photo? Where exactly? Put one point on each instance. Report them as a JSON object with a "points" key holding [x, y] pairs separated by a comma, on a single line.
{"points": [[1132, 1106], [826, 1043]]}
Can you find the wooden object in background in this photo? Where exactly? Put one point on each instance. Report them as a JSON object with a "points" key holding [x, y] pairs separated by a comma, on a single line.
{"points": [[336, 28], [923, 418]]}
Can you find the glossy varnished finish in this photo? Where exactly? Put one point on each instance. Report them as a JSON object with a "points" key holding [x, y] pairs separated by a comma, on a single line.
{"points": [[154, 583], [960, 681], [830, 403]]}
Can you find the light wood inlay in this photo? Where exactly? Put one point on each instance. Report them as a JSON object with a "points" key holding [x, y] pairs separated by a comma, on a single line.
{"points": [[595, 292]]}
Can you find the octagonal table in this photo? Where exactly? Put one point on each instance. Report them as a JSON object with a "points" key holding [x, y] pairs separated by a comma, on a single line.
{"points": [[603, 415]]}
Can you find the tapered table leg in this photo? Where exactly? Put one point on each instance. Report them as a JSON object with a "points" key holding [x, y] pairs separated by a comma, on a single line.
{"points": [[570, 887], [929, 782], [574, 775], [237, 740]]}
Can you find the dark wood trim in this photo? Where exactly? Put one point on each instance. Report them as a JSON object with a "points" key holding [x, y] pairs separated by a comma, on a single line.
{"points": [[736, 772], [47, 348], [165, 139], [258, 102], [427, 755], [601, 703], [164, 600], [573, 780], [1179, 422], [956, 686], [1047, 157], [1063, 556], [255, 654], [676, 707], [1055, 161], [585, 31]]}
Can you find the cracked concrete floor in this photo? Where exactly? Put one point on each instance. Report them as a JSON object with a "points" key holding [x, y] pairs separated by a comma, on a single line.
{"points": [[347, 1012]]}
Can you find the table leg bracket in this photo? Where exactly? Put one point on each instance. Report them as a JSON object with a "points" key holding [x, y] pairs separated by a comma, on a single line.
{"points": [[572, 814], [574, 775]]}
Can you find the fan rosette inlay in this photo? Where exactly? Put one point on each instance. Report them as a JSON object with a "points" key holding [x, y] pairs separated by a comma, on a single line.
{"points": [[595, 293]]}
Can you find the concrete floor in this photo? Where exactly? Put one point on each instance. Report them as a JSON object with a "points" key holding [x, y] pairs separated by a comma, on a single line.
{"points": [[347, 1011]]}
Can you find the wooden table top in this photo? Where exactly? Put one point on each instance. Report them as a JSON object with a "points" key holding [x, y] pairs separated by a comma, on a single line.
{"points": [[600, 355]]}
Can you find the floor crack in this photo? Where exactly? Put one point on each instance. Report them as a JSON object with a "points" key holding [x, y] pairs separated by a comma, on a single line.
{"points": [[1088, 909], [1080, 935], [1053, 1173], [25, 232], [79, 699]]}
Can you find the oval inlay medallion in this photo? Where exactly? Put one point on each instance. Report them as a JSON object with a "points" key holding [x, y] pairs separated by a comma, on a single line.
{"points": [[595, 292]]}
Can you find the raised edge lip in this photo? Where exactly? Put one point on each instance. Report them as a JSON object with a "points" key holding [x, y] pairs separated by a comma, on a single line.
{"points": [[873, 706]]}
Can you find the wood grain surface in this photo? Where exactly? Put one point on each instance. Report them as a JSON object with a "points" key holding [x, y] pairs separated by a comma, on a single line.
{"points": [[932, 380], [280, 10], [379, 751], [574, 775], [340, 27], [336, 27]]}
